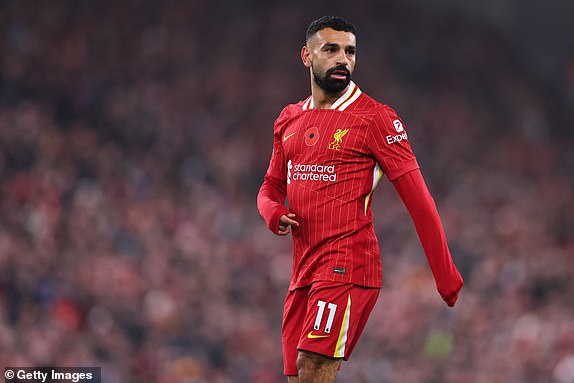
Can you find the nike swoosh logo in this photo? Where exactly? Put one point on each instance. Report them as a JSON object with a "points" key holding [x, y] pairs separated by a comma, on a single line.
{"points": [[286, 137], [313, 336]]}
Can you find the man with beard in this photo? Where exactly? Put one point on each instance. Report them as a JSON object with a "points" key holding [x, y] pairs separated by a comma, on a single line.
{"points": [[330, 151]]}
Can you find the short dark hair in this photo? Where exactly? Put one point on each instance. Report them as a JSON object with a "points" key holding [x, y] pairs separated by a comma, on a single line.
{"points": [[333, 22]]}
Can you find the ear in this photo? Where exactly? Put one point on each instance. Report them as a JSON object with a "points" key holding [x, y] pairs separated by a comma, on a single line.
{"points": [[306, 56]]}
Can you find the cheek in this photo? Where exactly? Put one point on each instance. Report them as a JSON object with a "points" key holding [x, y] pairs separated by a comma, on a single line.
{"points": [[321, 66], [317, 67], [352, 65]]}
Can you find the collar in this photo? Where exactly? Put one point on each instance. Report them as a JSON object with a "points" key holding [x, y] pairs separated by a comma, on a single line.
{"points": [[342, 102]]}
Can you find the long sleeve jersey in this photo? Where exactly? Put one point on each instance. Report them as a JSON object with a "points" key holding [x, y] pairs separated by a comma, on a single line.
{"points": [[327, 163]]}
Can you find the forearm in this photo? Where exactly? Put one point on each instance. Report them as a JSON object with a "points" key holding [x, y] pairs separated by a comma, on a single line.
{"points": [[421, 206], [270, 201]]}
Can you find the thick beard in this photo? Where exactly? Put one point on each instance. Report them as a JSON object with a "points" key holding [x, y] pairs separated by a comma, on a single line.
{"points": [[329, 84]]}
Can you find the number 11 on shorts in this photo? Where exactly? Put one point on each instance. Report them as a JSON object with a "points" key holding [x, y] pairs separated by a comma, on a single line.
{"points": [[332, 309]]}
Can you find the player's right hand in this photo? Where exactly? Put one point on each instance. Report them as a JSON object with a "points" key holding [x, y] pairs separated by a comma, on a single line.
{"points": [[285, 222]]}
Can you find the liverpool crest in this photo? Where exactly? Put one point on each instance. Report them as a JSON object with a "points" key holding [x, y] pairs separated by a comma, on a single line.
{"points": [[337, 139]]}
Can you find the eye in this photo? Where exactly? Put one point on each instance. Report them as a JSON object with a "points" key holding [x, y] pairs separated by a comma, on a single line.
{"points": [[330, 48]]}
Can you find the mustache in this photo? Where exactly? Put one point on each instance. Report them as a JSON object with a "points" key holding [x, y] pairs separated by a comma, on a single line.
{"points": [[338, 68]]}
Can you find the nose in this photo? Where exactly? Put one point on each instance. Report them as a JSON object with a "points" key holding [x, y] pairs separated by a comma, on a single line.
{"points": [[342, 58]]}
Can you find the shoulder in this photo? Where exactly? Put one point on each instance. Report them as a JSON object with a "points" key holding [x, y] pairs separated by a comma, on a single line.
{"points": [[378, 112], [383, 123], [367, 104], [288, 113], [390, 118]]}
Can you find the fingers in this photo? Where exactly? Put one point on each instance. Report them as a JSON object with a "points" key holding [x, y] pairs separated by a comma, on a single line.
{"points": [[283, 228], [284, 231], [285, 222], [288, 219]]}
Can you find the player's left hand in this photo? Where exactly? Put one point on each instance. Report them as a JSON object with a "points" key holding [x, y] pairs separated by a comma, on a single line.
{"points": [[451, 297]]}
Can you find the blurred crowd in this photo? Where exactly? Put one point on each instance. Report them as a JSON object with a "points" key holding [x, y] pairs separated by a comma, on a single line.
{"points": [[134, 136]]}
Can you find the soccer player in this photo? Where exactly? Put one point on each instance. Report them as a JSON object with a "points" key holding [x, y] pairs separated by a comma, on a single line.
{"points": [[329, 152]]}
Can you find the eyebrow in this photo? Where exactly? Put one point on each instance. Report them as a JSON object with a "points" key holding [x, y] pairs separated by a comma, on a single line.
{"points": [[335, 45]]}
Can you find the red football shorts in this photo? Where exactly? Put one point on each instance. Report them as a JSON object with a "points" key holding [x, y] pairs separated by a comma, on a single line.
{"points": [[326, 318]]}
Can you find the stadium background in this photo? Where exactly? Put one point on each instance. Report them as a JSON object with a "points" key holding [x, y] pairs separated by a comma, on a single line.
{"points": [[134, 136]]}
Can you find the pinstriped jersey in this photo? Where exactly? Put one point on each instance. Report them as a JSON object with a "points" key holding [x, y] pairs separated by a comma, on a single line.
{"points": [[331, 161]]}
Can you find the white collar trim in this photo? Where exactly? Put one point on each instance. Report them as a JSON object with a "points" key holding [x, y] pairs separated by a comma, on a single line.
{"points": [[342, 103]]}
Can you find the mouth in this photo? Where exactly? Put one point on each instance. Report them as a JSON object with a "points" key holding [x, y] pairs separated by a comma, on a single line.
{"points": [[339, 74]]}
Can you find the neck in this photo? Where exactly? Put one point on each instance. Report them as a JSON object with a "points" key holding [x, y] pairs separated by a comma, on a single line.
{"points": [[322, 99]]}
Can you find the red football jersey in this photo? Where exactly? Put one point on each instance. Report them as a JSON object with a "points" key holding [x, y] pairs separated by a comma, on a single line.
{"points": [[331, 160]]}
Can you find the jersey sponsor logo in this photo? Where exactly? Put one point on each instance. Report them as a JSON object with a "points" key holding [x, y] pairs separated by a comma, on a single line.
{"points": [[285, 138], [312, 136], [337, 139], [313, 336], [398, 138], [398, 125], [310, 172]]}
